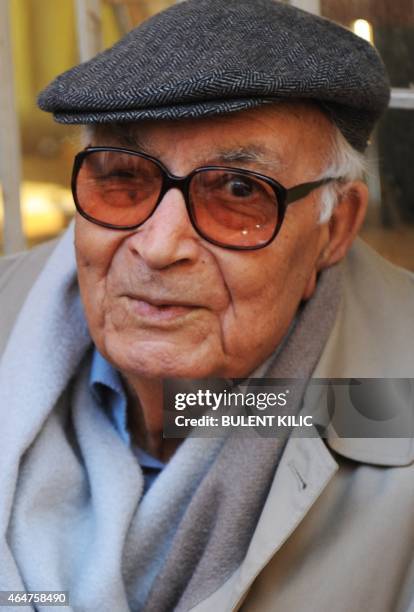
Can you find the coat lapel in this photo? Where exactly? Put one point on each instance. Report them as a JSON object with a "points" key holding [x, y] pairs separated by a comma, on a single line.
{"points": [[304, 471]]}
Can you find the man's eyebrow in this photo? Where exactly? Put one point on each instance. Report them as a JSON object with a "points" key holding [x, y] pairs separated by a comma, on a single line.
{"points": [[250, 154], [132, 140]]}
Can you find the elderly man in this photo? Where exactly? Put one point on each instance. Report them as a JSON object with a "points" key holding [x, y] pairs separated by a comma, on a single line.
{"points": [[218, 196]]}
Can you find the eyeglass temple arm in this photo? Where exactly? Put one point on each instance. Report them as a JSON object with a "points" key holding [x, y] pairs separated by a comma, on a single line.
{"points": [[301, 191]]}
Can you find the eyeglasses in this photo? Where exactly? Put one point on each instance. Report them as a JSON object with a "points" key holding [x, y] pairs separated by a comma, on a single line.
{"points": [[230, 207]]}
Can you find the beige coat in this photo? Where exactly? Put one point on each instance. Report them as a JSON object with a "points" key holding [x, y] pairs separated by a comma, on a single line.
{"points": [[337, 530]]}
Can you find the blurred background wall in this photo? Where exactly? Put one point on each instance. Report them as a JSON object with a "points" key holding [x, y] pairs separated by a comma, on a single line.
{"points": [[44, 38]]}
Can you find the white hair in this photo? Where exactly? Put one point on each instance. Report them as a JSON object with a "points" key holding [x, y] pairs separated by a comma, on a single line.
{"points": [[347, 165]]}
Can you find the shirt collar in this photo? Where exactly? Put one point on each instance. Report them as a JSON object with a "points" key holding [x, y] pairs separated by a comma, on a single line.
{"points": [[106, 385]]}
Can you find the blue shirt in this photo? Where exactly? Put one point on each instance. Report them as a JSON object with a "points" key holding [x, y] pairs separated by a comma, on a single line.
{"points": [[106, 385]]}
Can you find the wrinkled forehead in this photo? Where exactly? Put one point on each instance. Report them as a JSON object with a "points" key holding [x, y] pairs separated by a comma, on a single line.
{"points": [[275, 135]]}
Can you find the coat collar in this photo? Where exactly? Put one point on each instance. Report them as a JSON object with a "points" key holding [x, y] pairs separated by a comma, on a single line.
{"points": [[369, 341], [391, 452]]}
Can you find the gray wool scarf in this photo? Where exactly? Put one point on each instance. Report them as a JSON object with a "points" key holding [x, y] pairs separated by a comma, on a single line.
{"points": [[72, 514]]}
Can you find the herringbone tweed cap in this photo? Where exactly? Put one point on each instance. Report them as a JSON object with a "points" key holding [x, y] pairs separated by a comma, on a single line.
{"points": [[208, 57]]}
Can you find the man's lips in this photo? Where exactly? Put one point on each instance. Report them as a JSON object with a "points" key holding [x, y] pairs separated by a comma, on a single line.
{"points": [[161, 310]]}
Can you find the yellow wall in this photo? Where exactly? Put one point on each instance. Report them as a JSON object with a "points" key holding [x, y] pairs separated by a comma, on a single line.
{"points": [[44, 44]]}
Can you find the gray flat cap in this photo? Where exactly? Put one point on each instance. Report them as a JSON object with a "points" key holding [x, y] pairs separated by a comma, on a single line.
{"points": [[207, 57]]}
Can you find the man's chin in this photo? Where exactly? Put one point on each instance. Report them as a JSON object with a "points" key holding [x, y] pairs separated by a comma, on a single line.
{"points": [[152, 360]]}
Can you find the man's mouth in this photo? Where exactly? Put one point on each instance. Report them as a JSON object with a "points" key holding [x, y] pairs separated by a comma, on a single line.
{"points": [[158, 310]]}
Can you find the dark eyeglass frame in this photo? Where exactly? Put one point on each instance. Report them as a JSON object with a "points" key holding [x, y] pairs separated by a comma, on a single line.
{"points": [[284, 197]]}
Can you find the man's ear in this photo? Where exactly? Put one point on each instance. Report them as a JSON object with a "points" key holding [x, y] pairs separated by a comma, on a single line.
{"points": [[346, 220]]}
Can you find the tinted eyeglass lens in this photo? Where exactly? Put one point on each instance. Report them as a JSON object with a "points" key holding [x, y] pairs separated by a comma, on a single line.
{"points": [[118, 188], [232, 208]]}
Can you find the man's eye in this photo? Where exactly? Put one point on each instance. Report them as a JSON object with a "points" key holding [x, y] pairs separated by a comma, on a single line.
{"points": [[240, 188], [117, 174], [121, 174]]}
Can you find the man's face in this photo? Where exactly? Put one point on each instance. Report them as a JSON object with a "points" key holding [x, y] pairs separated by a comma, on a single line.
{"points": [[160, 301]]}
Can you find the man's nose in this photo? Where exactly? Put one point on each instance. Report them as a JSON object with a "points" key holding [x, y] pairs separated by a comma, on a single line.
{"points": [[167, 237]]}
